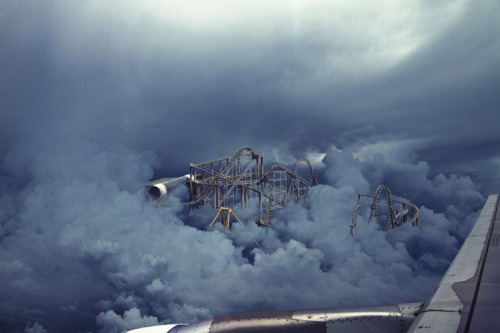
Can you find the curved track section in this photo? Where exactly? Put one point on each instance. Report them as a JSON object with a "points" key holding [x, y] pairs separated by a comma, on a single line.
{"points": [[360, 209], [382, 207], [278, 184], [297, 187], [387, 211]]}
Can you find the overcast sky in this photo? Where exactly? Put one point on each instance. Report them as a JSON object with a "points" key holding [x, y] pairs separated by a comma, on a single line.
{"points": [[97, 98]]}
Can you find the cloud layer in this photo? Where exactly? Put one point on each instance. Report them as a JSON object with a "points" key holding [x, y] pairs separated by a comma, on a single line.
{"points": [[83, 250]]}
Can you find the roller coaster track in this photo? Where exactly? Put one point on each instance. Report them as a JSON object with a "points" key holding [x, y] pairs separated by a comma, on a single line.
{"points": [[383, 210], [360, 209], [225, 181]]}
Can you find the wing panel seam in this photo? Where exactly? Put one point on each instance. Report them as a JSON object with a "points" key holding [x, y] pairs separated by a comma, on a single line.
{"points": [[476, 292]]}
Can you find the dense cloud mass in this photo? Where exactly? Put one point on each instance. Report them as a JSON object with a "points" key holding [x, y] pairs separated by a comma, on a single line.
{"points": [[96, 99]]}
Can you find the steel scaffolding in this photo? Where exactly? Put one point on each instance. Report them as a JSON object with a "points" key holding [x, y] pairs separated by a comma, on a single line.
{"points": [[234, 179]]}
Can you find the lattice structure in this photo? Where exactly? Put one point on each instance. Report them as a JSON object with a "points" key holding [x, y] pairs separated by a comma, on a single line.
{"points": [[388, 212], [225, 181], [231, 180]]}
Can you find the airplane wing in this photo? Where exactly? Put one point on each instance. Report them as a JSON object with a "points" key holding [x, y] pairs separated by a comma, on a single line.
{"points": [[385, 318], [466, 300], [468, 297]]}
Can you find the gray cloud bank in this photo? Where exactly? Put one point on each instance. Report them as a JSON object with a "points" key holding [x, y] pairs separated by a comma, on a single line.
{"points": [[98, 99], [82, 250]]}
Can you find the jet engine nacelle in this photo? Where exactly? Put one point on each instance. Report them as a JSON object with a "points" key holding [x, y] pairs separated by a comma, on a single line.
{"points": [[161, 187]]}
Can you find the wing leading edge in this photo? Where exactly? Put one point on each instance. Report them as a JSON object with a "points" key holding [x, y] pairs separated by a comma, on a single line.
{"points": [[466, 300]]}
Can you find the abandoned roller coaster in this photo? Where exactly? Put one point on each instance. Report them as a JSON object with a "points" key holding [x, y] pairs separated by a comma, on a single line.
{"points": [[234, 179], [386, 210]]}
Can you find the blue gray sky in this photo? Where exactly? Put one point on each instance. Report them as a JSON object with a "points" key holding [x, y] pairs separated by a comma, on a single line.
{"points": [[97, 98]]}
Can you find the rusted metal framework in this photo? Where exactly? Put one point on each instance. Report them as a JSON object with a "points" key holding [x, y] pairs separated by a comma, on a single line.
{"points": [[387, 211], [234, 179], [226, 214]]}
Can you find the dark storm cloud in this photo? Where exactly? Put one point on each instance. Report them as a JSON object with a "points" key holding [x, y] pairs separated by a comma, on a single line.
{"points": [[96, 99], [86, 248], [158, 82]]}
